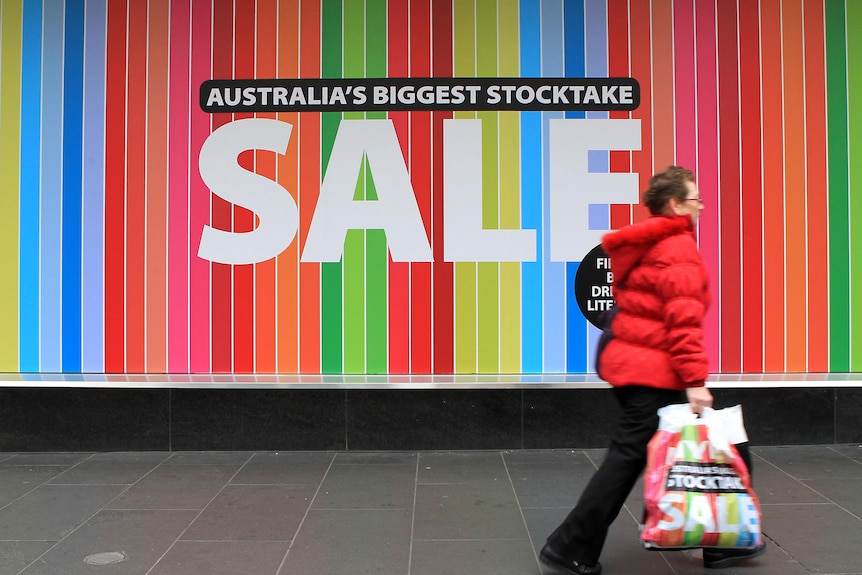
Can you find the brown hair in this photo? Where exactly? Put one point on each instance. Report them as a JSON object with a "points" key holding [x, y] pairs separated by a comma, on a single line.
{"points": [[666, 185]]}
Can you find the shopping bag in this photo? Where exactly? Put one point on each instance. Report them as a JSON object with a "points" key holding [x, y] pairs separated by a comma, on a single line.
{"points": [[697, 490]]}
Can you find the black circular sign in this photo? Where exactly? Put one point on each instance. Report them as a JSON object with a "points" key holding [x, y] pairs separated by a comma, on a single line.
{"points": [[593, 285]]}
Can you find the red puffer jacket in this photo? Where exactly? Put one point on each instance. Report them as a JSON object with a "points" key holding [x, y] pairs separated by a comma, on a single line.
{"points": [[662, 292]]}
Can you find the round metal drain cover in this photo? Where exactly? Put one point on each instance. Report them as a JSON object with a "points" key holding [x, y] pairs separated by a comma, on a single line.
{"points": [[107, 558]]}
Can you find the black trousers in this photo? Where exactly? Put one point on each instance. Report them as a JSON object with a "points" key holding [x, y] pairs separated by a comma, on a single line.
{"points": [[582, 535]]}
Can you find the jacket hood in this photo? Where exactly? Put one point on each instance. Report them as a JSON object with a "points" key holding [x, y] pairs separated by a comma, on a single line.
{"points": [[628, 246]]}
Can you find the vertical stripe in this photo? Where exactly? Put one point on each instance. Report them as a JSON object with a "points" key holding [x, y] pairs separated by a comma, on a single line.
{"points": [[641, 69], [684, 83], [854, 123], [331, 273], [466, 328], [816, 190], [443, 272], [136, 165], [575, 36], [51, 199], [488, 286], [664, 148], [94, 186], [156, 194], [243, 219], [288, 170], [265, 310], [751, 237], [400, 31], [115, 186], [200, 335], [510, 212], [179, 187], [794, 185], [221, 212], [839, 228], [310, 155], [773, 186], [618, 40], [31, 101], [554, 280], [421, 327], [531, 192], [10, 132]]}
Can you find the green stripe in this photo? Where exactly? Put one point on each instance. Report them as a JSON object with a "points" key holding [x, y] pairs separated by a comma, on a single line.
{"points": [[330, 273], [354, 243], [10, 130], [464, 63], [489, 272], [377, 252], [510, 196], [839, 232], [854, 85]]}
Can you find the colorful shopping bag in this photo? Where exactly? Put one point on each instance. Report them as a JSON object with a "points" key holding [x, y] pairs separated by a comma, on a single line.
{"points": [[697, 490]]}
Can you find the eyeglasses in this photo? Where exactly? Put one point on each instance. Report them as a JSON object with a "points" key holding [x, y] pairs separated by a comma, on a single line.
{"points": [[698, 200]]}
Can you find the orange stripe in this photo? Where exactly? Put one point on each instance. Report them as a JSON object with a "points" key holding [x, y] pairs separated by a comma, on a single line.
{"points": [[640, 68], [309, 190], [157, 140], [288, 177], [265, 165], [794, 178], [818, 232], [773, 186], [662, 65]]}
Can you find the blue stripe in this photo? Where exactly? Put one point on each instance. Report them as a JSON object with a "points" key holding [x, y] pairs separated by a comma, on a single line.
{"points": [[531, 193], [94, 184], [28, 288], [576, 324], [73, 102], [554, 281], [52, 117]]}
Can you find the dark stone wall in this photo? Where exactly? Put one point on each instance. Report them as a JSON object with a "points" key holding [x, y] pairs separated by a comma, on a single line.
{"points": [[119, 419]]}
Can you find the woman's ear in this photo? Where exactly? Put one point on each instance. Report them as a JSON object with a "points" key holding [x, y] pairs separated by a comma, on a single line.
{"points": [[675, 206]]}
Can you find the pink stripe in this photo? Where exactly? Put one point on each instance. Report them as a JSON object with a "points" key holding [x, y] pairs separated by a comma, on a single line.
{"points": [[707, 160], [178, 176], [199, 196], [683, 50]]}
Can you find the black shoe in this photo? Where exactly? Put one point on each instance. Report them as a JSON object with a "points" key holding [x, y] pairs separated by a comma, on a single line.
{"points": [[718, 558], [551, 557]]}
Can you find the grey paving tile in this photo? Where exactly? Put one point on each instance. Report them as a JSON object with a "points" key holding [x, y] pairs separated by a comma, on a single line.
{"points": [[67, 459], [51, 512], [377, 458], [773, 485], [351, 542], [498, 556], [112, 468], [388, 486], [16, 480], [141, 537], [209, 457], [462, 467], [467, 511], [15, 555], [549, 479], [822, 538], [810, 462], [842, 492], [253, 513], [222, 558], [852, 450], [295, 468], [176, 487]]}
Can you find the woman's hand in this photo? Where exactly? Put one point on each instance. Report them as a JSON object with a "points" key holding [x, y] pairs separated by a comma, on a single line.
{"points": [[698, 398]]}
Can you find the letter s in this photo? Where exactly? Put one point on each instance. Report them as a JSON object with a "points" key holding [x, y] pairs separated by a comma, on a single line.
{"points": [[274, 206]]}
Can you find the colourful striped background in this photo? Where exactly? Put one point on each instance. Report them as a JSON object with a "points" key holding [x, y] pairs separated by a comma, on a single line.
{"points": [[102, 204]]}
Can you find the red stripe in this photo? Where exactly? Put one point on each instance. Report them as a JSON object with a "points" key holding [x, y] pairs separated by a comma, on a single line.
{"points": [[818, 223], [115, 205], [641, 66], [752, 210], [136, 156], [399, 272], [221, 214], [420, 170], [729, 198], [309, 190], [618, 66], [243, 219], [443, 272]]}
